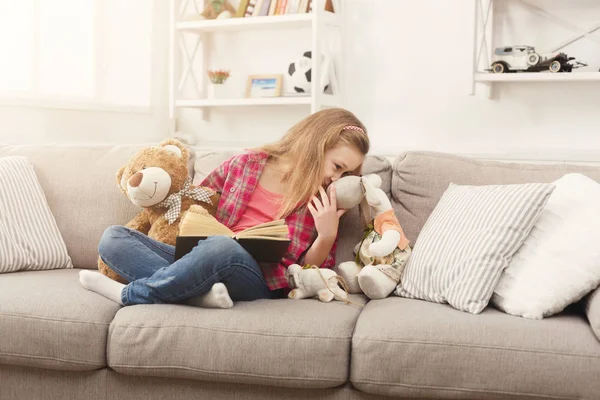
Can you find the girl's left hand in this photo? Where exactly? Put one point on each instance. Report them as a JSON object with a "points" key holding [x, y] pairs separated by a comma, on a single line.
{"points": [[326, 214]]}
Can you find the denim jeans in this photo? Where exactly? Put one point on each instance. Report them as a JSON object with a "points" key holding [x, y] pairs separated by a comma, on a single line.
{"points": [[155, 276]]}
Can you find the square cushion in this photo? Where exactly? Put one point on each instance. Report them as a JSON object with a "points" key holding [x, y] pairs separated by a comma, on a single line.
{"points": [[559, 262], [29, 236], [48, 320], [417, 349], [468, 241], [289, 343], [80, 185]]}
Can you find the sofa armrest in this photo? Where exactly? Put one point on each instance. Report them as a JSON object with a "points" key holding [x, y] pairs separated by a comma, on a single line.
{"points": [[592, 310]]}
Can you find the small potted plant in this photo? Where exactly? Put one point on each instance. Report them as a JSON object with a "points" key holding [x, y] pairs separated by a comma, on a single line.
{"points": [[218, 76], [217, 79]]}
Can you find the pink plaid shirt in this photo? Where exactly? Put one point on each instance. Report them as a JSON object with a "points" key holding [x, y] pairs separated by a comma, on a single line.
{"points": [[236, 179]]}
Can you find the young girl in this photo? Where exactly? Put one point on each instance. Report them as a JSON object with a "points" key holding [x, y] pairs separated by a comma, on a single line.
{"points": [[286, 179]]}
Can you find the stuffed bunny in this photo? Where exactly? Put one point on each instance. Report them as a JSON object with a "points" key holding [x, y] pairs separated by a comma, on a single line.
{"points": [[382, 254], [311, 281]]}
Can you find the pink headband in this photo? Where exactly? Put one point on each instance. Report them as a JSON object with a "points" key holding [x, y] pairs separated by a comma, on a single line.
{"points": [[354, 128]]}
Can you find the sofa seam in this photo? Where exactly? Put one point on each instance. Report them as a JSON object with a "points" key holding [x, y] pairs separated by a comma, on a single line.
{"points": [[151, 367], [468, 390], [466, 345], [51, 359], [232, 331], [53, 319]]}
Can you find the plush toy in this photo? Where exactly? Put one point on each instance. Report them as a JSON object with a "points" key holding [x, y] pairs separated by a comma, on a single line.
{"points": [[217, 9], [157, 179], [310, 281], [382, 254]]}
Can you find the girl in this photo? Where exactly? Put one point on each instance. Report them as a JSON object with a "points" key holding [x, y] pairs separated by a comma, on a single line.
{"points": [[286, 179]]}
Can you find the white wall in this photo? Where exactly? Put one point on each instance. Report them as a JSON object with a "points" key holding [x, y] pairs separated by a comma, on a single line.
{"points": [[23, 123], [408, 75], [421, 100], [409, 71]]}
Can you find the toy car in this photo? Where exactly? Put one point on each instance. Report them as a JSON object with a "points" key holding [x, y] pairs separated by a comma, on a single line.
{"points": [[526, 59]]}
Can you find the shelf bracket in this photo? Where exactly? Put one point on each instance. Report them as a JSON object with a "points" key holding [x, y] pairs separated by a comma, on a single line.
{"points": [[581, 32], [483, 43], [189, 64]]}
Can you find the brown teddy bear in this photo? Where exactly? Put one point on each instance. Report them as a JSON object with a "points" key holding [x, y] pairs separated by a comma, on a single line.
{"points": [[157, 179]]}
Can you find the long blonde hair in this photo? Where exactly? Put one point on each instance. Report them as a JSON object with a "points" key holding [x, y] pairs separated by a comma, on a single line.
{"points": [[305, 145]]}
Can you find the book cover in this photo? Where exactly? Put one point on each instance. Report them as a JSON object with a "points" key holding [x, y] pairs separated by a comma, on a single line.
{"points": [[267, 242]]}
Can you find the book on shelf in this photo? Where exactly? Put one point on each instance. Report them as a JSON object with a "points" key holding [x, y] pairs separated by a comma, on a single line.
{"points": [[257, 8], [267, 242]]}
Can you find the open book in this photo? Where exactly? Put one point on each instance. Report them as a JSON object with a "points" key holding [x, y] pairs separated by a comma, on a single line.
{"points": [[267, 242]]}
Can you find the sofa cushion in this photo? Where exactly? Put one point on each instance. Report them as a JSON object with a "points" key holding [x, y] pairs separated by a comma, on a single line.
{"points": [[48, 320], [412, 348], [206, 161], [29, 237], [420, 178], [592, 309], [548, 273], [469, 240], [87, 200], [289, 343]]}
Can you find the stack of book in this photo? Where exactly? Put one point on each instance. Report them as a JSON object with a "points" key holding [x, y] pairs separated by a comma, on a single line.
{"points": [[256, 8]]}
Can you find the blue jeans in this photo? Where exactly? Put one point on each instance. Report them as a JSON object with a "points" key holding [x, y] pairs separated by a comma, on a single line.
{"points": [[155, 276]]}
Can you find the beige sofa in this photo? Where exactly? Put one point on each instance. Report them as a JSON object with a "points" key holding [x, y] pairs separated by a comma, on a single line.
{"points": [[60, 341]]}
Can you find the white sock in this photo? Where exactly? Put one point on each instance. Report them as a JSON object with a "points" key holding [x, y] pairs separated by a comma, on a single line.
{"points": [[101, 284], [217, 297]]}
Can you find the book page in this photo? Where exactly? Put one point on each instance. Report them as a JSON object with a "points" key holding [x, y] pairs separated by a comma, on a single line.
{"points": [[273, 229], [283, 239], [202, 225], [277, 222], [280, 232]]}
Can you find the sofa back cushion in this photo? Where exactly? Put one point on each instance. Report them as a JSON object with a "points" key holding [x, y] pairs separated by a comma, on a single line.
{"points": [[420, 178], [80, 185]]}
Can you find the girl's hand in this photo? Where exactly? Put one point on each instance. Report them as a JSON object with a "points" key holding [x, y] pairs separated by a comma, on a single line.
{"points": [[326, 214]]}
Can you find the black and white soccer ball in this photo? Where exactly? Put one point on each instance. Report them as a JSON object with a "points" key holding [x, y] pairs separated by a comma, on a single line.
{"points": [[300, 73]]}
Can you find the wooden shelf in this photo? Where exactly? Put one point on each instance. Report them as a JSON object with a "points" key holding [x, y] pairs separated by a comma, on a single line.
{"points": [[538, 77], [275, 21]]}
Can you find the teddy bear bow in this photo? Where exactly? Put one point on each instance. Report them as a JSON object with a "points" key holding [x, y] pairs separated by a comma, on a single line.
{"points": [[173, 202]]}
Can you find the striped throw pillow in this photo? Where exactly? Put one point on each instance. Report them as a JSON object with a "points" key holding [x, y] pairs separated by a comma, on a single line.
{"points": [[468, 240], [29, 237]]}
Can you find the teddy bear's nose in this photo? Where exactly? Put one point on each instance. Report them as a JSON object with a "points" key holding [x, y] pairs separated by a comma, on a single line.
{"points": [[136, 179]]}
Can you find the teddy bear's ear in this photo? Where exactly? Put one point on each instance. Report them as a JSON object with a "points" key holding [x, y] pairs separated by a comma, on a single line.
{"points": [[176, 147], [122, 185]]}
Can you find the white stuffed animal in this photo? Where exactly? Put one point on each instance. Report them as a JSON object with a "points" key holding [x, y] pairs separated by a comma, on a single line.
{"points": [[384, 251], [314, 282]]}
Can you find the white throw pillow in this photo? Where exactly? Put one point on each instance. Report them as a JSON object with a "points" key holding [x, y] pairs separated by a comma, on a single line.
{"points": [[468, 240], [559, 262], [29, 236]]}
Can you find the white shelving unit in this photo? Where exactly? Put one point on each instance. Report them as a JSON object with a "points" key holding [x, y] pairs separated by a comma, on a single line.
{"points": [[484, 48], [318, 21]]}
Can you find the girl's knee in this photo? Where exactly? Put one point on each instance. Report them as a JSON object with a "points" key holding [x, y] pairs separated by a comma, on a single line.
{"points": [[225, 250], [223, 245], [112, 238]]}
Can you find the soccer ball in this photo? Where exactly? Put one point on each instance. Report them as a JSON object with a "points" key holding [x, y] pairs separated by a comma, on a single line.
{"points": [[300, 73]]}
